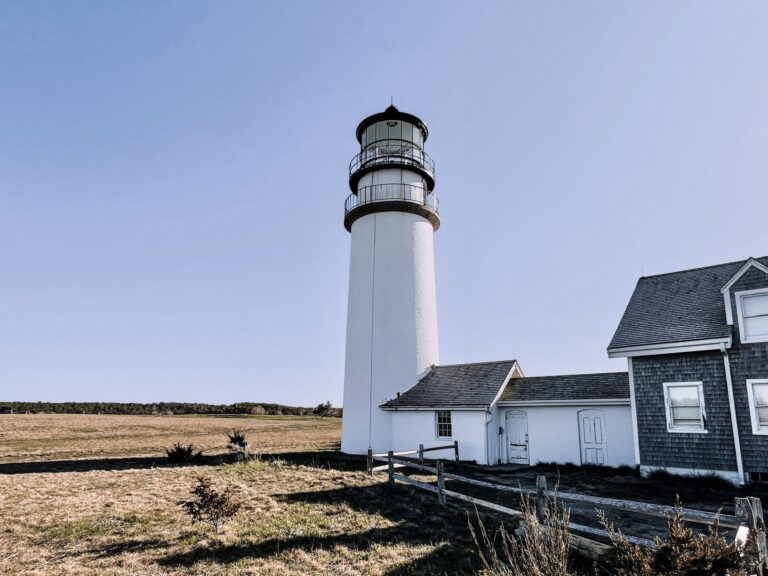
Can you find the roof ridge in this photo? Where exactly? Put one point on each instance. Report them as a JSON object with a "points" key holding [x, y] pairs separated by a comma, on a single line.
{"points": [[474, 363], [571, 375], [742, 261]]}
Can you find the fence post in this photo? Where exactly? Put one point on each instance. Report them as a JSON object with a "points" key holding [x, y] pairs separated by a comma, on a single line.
{"points": [[542, 499], [749, 511], [369, 462], [391, 467], [440, 482], [456, 448], [421, 454]]}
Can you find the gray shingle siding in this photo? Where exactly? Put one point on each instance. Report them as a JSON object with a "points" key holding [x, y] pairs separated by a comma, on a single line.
{"points": [[683, 306], [658, 447], [748, 361]]}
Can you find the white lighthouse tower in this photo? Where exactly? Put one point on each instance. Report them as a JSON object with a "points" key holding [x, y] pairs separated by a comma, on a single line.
{"points": [[392, 214]]}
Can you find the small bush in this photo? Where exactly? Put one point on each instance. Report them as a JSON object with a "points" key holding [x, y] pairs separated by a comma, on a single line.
{"points": [[702, 481], [181, 454], [685, 553], [626, 470], [238, 446], [211, 506], [537, 551]]}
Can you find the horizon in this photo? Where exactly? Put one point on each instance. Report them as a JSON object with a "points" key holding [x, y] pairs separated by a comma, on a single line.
{"points": [[172, 182]]}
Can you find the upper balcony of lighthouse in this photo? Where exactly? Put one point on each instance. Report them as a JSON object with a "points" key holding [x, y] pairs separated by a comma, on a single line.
{"points": [[392, 172]]}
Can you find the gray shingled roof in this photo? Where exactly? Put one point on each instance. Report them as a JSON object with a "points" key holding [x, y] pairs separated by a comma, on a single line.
{"points": [[606, 386], [456, 385], [677, 307]]}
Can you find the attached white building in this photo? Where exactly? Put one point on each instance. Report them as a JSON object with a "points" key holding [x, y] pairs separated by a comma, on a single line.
{"points": [[498, 416]]}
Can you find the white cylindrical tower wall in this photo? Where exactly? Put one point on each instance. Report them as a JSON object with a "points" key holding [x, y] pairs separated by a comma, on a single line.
{"points": [[391, 321]]}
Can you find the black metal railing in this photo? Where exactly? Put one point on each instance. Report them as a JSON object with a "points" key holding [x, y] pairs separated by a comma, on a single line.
{"points": [[400, 152], [391, 193]]}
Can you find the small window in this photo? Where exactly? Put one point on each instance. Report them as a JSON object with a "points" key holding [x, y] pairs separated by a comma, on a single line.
{"points": [[685, 407], [757, 390], [753, 315], [444, 424]]}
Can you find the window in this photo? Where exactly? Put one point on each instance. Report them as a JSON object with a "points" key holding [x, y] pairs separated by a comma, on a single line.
{"points": [[444, 424], [757, 390], [685, 407], [407, 132], [752, 308]]}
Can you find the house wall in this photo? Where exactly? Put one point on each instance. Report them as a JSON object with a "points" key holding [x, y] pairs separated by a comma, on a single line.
{"points": [[553, 433], [710, 451], [413, 427], [748, 361]]}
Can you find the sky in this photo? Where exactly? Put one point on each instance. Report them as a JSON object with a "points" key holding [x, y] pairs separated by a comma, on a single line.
{"points": [[173, 176]]}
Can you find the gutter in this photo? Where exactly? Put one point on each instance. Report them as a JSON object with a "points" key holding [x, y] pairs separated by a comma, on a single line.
{"points": [[488, 420], [732, 408]]}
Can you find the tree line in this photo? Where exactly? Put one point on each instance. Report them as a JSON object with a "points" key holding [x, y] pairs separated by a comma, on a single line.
{"points": [[240, 408]]}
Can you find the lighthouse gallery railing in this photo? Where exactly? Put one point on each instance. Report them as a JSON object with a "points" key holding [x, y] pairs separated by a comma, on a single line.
{"points": [[391, 193], [399, 152]]}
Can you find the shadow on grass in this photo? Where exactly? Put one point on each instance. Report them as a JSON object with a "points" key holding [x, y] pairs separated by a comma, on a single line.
{"points": [[130, 546], [91, 464], [330, 459], [419, 521]]}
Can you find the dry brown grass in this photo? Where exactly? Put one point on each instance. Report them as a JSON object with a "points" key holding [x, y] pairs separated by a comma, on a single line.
{"points": [[33, 437], [322, 518]]}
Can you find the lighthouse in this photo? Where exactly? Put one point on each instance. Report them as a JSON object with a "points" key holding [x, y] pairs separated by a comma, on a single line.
{"points": [[391, 214]]}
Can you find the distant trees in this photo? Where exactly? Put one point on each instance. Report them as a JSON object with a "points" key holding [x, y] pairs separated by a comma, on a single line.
{"points": [[323, 410], [131, 408]]}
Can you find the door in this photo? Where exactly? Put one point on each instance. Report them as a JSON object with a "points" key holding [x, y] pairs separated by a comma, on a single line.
{"points": [[592, 436], [517, 437]]}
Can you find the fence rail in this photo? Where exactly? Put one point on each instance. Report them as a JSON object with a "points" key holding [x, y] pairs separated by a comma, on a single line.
{"points": [[747, 520]]}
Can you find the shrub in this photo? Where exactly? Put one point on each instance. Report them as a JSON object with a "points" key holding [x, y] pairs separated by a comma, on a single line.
{"points": [[238, 446], [211, 506], [626, 470], [181, 454], [685, 553], [538, 550], [701, 481]]}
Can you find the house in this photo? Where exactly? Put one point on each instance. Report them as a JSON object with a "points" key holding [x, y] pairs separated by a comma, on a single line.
{"points": [[696, 343], [499, 416]]}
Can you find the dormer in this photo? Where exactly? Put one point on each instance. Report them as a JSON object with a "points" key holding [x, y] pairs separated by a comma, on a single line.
{"points": [[745, 297]]}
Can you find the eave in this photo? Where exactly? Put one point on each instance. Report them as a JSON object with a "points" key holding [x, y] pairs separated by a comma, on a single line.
{"points": [[670, 348]]}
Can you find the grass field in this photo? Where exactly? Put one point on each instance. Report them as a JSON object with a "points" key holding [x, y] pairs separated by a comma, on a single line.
{"points": [[93, 495]]}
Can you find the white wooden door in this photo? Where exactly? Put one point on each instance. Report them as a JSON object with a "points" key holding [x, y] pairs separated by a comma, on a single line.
{"points": [[517, 437], [592, 436]]}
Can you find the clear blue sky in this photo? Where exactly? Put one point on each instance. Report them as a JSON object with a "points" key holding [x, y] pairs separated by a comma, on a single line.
{"points": [[172, 180]]}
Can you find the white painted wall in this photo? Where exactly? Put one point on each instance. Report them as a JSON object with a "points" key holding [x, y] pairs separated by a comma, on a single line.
{"points": [[413, 427], [553, 433], [391, 322]]}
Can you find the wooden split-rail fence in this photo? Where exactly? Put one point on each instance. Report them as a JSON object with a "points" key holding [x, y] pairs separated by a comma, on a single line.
{"points": [[747, 520]]}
